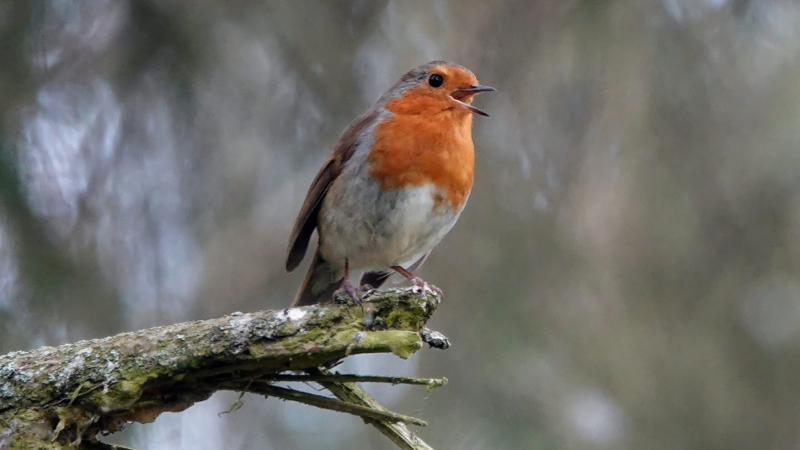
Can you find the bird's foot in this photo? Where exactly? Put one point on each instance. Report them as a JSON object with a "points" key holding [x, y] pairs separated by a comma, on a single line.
{"points": [[347, 290], [365, 291], [418, 285]]}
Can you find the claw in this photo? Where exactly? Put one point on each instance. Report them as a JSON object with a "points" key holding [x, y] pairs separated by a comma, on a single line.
{"points": [[365, 291], [347, 290], [421, 286], [418, 284]]}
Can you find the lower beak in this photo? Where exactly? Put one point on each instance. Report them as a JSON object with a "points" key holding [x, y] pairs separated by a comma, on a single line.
{"points": [[463, 93]]}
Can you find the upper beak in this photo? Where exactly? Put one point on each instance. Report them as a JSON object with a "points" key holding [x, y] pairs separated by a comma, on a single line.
{"points": [[459, 94]]}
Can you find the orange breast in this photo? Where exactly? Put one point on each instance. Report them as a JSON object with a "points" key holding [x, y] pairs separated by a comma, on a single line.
{"points": [[425, 145]]}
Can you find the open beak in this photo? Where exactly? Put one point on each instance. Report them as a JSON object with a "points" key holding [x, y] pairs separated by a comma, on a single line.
{"points": [[459, 95]]}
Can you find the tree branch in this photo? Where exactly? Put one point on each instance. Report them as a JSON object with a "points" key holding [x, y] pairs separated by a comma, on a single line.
{"points": [[329, 403], [431, 383], [73, 393], [396, 431]]}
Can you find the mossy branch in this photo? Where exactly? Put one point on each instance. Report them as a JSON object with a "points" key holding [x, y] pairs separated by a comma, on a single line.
{"points": [[56, 396]]}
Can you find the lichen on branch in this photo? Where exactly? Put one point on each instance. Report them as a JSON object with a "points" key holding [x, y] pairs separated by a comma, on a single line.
{"points": [[76, 392]]}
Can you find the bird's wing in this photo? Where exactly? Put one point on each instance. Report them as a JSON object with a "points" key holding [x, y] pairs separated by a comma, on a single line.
{"points": [[306, 220]]}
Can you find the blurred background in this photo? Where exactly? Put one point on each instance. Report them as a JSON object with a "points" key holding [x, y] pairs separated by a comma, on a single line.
{"points": [[626, 274]]}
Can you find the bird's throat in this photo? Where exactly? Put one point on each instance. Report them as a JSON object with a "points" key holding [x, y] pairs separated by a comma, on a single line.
{"points": [[415, 149]]}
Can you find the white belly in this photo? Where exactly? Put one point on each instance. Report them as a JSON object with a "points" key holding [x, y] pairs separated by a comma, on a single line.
{"points": [[374, 229]]}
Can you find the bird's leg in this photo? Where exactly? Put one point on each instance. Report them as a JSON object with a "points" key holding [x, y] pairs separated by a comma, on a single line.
{"points": [[347, 287], [418, 282]]}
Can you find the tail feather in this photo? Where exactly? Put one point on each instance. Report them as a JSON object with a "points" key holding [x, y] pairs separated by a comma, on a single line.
{"points": [[320, 283], [375, 279]]}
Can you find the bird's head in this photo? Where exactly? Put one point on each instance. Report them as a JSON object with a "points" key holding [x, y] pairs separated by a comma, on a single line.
{"points": [[435, 87]]}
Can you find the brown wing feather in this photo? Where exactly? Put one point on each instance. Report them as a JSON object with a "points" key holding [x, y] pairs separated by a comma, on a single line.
{"points": [[306, 220]]}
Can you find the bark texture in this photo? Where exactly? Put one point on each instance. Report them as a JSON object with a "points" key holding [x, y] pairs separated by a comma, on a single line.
{"points": [[55, 396]]}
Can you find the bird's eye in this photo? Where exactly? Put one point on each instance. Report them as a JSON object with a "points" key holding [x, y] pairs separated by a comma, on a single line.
{"points": [[435, 80]]}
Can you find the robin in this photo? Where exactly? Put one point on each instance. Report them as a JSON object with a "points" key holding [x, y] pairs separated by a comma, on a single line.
{"points": [[395, 184]]}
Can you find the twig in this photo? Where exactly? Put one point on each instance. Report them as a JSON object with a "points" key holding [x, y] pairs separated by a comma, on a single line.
{"points": [[365, 412], [346, 378], [351, 393]]}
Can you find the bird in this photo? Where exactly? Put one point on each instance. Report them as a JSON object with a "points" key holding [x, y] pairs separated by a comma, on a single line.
{"points": [[393, 187]]}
